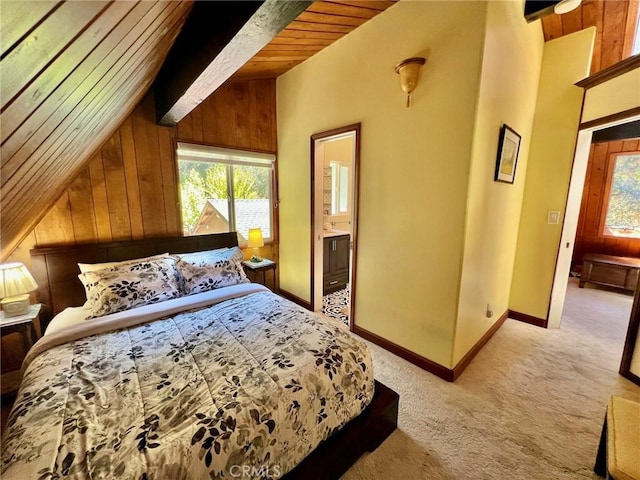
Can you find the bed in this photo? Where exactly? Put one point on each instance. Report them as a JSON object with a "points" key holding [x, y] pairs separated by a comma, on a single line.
{"points": [[233, 382]]}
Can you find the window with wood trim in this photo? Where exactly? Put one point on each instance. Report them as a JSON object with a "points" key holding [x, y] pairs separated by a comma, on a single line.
{"points": [[621, 206], [224, 190]]}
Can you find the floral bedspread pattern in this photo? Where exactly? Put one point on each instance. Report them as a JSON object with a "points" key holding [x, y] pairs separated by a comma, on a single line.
{"points": [[253, 381]]}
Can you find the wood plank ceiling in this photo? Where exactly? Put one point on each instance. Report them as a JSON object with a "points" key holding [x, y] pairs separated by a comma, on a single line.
{"points": [[316, 28], [615, 22], [71, 73]]}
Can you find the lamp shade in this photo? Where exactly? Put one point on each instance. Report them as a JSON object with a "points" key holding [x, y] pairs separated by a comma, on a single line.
{"points": [[255, 238], [15, 279]]}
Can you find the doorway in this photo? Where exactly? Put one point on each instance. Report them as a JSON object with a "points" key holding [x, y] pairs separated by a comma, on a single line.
{"points": [[572, 213], [335, 167], [593, 153]]}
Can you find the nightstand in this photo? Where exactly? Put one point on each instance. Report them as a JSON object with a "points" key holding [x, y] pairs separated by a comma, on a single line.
{"points": [[23, 324], [257, 271]]}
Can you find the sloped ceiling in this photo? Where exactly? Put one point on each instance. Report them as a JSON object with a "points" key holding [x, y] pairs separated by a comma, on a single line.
{"points": [[615, 22], [71, 72]]}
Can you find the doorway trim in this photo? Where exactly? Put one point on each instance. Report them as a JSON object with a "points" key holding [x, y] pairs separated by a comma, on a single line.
{"points": [[356, 128], [569, 227]]}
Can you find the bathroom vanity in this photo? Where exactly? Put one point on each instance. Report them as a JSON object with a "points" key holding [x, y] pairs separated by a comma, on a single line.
{"points": [[335, 261]]}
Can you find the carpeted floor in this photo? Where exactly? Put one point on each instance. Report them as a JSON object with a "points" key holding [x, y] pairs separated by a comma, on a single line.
{"points": [[529, 406]]}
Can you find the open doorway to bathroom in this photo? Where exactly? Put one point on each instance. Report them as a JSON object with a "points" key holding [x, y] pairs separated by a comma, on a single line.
{"points": [[335, 162]]}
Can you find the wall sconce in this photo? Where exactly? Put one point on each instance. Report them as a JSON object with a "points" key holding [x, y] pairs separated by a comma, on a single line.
{"points": [[409, 71]]}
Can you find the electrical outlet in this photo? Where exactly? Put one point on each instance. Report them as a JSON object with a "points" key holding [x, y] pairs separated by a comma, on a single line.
{"points": [[489, 310]]}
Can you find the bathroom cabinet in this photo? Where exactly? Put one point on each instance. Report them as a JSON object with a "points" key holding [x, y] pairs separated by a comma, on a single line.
{"points": [[336, 263]]}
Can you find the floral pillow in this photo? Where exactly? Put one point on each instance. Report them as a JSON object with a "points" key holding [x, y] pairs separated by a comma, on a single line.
{"points": [[119, 288], [204, 271], [92, 267]]}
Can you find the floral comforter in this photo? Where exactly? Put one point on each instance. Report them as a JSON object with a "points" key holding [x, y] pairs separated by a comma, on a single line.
{"points": [[245, 388]]}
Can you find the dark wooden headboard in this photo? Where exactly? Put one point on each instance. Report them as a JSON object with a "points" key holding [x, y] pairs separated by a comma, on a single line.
{"points": [[55, 268]]}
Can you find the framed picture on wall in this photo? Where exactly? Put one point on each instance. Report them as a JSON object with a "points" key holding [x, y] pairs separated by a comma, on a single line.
{"points": [[508, 147]]}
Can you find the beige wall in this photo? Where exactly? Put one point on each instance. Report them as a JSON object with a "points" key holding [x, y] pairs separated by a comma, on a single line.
{"points": [[508, 90], [566, 60], [414, 164], [617, 95]]}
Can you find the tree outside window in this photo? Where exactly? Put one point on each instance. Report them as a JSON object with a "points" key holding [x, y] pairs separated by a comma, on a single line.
{"points": [[622, 207], [224, 190]]}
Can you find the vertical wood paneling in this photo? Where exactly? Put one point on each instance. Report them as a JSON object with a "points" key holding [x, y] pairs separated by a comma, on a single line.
{"points": [[129, 188], [593, 14], [82, 209], [149, 174], [588, 237], [615, 22], [169, 180], [100, 201], [131, 177], [209, 118], [116, 189], [197, 126], [57, 226], [615, 15]]}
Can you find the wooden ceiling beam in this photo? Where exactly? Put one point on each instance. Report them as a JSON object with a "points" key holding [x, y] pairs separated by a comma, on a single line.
{"points": [[219, 38]]}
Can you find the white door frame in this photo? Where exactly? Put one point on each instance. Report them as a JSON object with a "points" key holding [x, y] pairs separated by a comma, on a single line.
{"points": [[571, 215]]}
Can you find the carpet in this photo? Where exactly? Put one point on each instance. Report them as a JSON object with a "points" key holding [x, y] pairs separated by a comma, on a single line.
{"points": [[529, 406], [336, 304]]}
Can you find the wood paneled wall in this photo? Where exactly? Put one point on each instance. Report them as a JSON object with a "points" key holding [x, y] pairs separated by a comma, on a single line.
{"points": [[128, 190], [588, 237]]}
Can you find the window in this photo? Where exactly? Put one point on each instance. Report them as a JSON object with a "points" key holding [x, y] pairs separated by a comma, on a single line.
{"points": [[225, 190], [622, 204], [339, 188]]}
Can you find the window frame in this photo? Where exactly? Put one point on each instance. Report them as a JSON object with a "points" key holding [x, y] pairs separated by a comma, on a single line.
{"points": [[606, 196], [273, 191]]}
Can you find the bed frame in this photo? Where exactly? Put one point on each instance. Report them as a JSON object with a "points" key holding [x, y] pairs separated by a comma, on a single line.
{"points": [[55, 269]]}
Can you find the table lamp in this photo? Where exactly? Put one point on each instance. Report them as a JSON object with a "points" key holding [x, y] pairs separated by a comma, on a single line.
{"points": [[15, 285], [255, 241]]}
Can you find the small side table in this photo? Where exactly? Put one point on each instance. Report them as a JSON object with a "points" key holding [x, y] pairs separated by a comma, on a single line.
{"points": [[254, 269], [23, 324]]}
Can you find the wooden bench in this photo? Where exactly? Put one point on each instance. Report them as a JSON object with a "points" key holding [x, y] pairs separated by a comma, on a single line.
{"points": [[620, 272], [618, 455]]}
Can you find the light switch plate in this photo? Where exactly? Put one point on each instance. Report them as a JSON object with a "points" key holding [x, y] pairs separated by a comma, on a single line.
{"points": [[553, 217]]}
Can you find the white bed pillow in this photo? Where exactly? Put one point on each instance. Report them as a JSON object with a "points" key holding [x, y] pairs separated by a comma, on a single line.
{"points": [[92, 267], [119, 288], [211, 269]]}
